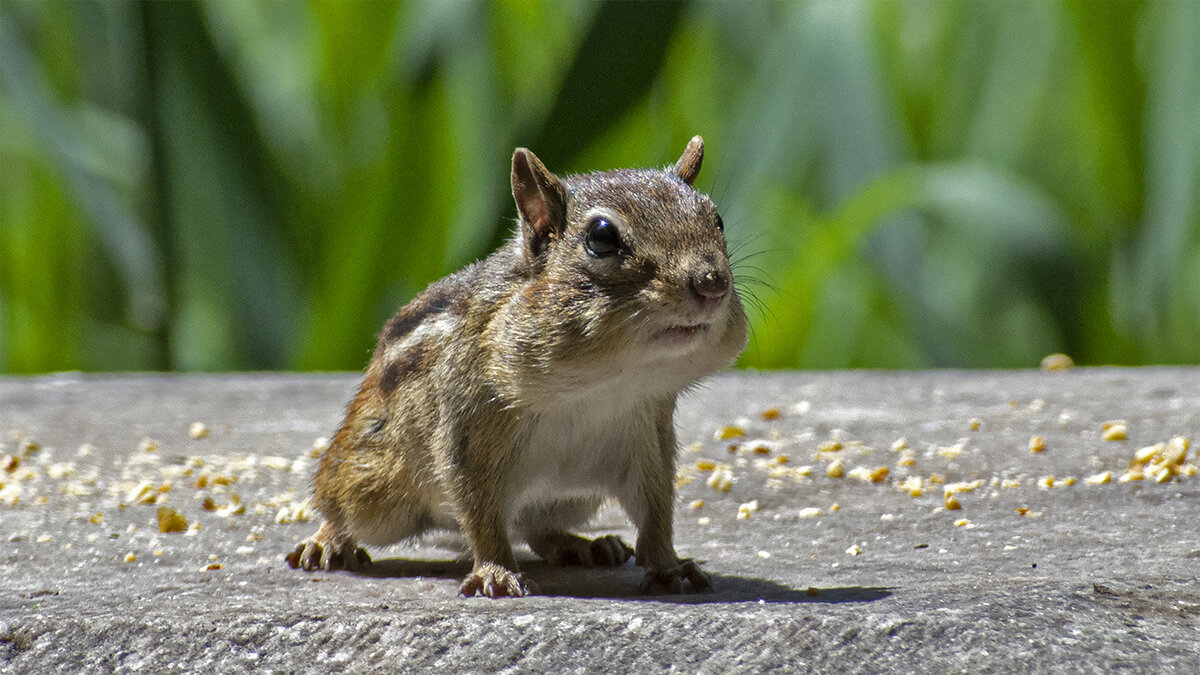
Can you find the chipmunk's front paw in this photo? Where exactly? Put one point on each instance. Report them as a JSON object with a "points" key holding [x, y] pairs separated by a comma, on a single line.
{"points": [[670, 579], [494, 581], [312, 554], [570, 549]]}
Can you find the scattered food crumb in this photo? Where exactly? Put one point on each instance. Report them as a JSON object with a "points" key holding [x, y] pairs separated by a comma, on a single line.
{"points": [[1161, 462], [913, 485], [1114, 431], [830, 446], [729, 431], [275, 462], [171, 520], [970, 486], [835, 469], [952, 451], [296, 513], [1057, 362], [745, 510], [26, 446], [721, 479]]}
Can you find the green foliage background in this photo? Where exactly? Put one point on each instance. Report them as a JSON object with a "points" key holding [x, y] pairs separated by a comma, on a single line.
{"points": [[258, 185]]}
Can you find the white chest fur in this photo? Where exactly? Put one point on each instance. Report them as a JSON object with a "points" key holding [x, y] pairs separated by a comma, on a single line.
{"points": [[583, 450]]}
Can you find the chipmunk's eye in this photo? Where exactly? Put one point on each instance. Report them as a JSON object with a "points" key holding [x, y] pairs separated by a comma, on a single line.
{"points": [[603, 239], [720, 223]]}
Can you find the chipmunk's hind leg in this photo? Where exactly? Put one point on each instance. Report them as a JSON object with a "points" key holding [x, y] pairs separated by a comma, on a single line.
{"points": [[545, 528], [328, 550]]}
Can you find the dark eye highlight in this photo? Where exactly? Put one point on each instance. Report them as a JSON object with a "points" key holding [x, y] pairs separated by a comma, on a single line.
{"points": [[720, 223], [602, 239]]}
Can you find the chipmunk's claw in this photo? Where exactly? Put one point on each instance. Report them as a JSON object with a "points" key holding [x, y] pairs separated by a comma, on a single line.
{"points": [[494, 581], [670, 580], [310, 555]]}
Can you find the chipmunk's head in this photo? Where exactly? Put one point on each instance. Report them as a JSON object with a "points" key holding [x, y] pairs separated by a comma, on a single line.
{"points": [[632, 267]]}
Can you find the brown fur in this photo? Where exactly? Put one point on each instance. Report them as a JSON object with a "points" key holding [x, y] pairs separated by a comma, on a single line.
{"points": [[509, 399]]}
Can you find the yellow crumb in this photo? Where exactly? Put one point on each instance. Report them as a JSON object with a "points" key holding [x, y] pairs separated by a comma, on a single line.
{"points": [[835, 469], [730, 431]]}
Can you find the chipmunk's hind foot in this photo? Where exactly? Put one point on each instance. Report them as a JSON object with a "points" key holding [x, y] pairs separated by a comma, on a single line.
{"points": [[669, 580], [564, 548]]}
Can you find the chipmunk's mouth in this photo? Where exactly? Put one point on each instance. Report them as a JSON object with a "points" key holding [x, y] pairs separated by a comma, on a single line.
{"points": [[680, 334]]}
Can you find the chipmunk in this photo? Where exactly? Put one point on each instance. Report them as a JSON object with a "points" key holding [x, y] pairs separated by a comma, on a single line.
{"points": [[509, 399]]}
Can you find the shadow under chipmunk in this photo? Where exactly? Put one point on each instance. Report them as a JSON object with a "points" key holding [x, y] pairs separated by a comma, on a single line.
{"points": [[621, 583]]}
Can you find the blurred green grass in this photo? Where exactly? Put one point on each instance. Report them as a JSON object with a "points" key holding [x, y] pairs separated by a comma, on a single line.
{"points": [[258, 185]]}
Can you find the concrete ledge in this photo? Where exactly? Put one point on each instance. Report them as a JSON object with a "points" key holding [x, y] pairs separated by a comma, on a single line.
{"points": [[1088, 577]]}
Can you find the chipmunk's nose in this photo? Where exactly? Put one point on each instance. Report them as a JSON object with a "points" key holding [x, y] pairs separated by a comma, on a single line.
{"points": [[709, 287]]}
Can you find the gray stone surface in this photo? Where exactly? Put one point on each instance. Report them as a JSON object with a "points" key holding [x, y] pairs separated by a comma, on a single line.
{"points": [[1104, 577]]}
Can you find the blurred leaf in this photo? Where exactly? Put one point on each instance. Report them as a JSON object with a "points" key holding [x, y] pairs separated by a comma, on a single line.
{"points": [[1001, 217], [1161, 301], [82, 163], [614, 66], [1014, 82], [232, 285]]}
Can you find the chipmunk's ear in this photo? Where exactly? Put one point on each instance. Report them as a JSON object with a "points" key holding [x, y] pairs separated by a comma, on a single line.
{"points": [[688, 166], [541, 200]]}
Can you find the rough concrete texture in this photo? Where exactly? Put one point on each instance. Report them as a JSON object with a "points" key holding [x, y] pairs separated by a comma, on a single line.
{"points": [[1088, 578]]}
